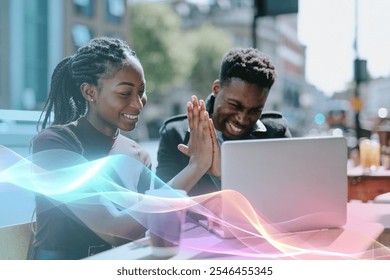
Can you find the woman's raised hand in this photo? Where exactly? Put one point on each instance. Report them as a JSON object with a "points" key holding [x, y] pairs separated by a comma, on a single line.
{"points": [[199, 147], [203, 147]]}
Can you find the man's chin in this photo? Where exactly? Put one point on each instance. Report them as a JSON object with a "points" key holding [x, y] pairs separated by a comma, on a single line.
{"points": [[229, 136], [230, 133]]}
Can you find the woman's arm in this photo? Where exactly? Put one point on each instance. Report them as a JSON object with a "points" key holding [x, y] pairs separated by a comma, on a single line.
{"points": [[113, 225]]}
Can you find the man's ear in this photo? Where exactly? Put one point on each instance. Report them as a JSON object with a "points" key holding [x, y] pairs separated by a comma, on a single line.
{"points": [[216, 87], [88, 91]]}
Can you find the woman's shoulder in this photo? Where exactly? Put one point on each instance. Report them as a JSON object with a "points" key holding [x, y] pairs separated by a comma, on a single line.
{"points": [[127, 146], [56, 137]]}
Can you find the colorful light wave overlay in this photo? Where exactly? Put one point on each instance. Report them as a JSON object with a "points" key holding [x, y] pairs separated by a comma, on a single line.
{"points": [[89, 187]]}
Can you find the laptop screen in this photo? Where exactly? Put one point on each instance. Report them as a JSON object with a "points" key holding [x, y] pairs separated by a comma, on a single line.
{"points": [[295, 184]]}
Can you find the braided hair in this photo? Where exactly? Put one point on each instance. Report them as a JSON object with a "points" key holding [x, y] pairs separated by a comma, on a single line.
{"points": [[249, 65], [101, 57]]}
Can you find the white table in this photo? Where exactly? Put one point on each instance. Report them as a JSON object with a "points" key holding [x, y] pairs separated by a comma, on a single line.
{"points": [[366, 222]]}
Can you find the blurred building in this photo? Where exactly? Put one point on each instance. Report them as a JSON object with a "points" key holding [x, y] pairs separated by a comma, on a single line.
{"points": [[375, 95], [4, 54], [36, 34]]}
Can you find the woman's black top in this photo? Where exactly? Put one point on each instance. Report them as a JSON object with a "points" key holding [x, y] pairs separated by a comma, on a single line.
{"points": [[58, 229]]}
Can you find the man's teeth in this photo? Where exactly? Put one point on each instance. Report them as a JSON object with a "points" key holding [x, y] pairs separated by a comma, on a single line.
{"points": [[234, 128], [131, 117]]}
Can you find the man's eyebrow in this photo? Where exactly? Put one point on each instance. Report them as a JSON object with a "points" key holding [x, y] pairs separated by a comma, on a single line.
{"points": [[234, 100], [240, 104]]}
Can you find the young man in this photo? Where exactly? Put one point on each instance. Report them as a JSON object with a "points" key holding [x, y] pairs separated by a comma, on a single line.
{"points": [[235, 105]]}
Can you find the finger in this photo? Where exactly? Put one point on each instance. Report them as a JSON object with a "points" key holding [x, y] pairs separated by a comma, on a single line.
{"points": [[212, 131], [184, 149], [212, 224], [190, 115], [195, 111], [202, 105], [202, 112], [202, 109], [195, 101], [205, 120]]}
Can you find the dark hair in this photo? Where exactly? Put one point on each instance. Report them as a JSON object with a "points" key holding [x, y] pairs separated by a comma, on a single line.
{"points": [[100, 57], [249, 65]]}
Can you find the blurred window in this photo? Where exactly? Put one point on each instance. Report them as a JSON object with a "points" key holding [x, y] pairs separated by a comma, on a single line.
{"points": [[115, 10], [244, 3], [291, 97], [84, 7], [81, 34], [35, 54]]}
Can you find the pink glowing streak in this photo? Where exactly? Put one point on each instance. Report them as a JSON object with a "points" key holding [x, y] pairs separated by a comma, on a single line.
{"points": [[266, 241]]}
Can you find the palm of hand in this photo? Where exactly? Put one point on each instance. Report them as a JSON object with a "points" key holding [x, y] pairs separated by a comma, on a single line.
{"points": [[200, 143]]}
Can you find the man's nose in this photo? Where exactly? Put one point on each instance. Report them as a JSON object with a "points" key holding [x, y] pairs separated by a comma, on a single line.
{"points": [[243, 118]]}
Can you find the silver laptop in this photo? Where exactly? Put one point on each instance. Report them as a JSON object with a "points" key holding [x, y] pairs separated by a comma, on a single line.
{"points": [[294, 184]]}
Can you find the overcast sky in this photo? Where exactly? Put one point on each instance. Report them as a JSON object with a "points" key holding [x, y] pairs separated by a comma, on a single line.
{"points": [[327, 28]]}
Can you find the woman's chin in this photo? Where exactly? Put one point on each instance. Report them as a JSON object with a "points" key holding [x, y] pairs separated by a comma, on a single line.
{"points": [[128, 128]]}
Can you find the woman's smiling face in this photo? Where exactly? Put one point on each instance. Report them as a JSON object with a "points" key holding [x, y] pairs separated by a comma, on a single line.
{"points": [[119, 100], [237, 107]]}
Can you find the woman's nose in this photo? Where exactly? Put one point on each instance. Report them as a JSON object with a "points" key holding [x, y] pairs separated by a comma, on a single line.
{"points": [[137, 103]]}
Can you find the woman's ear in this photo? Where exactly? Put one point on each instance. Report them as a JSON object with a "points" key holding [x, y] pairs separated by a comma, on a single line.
{"points": [[216, 87], [88, 91]]}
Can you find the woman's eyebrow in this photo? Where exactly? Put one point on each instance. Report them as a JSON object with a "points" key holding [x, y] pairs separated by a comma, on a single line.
{"points": [[125, 83], [128, 84]]}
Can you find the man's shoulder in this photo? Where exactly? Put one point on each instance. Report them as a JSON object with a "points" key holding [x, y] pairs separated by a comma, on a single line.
{"points": [[275, 124], [176, 119], [271, 115], [176, 122], [176, 126]]}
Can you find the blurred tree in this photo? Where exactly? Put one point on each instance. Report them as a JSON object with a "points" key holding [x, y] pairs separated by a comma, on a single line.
{"points": [[156, 38], [209, 45], [172, 56], [174, 60]]}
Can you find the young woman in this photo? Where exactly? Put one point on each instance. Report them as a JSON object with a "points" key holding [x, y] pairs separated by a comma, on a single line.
{"points": [[94, 94]]}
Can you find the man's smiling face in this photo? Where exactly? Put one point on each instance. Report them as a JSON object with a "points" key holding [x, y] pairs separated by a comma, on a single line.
{"points": [[237, 107]]}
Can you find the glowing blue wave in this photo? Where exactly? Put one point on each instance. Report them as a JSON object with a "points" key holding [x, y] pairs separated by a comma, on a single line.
{"points": [[104, 195]]}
